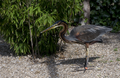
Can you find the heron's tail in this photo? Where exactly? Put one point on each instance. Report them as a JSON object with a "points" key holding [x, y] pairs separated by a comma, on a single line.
{"points": [[107, 29]]}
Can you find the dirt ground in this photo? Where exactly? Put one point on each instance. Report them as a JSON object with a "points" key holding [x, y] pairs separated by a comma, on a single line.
{"points": [[68, 63]]}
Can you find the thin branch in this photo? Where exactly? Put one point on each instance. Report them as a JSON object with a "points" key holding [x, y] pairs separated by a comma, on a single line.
{"points": [[31, 39]]}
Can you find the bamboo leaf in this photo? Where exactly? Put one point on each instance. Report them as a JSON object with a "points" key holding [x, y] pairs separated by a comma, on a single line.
{"points": [[31, 11]]}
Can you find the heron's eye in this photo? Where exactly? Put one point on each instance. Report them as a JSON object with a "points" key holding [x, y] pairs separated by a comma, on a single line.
{"points": [[59, 23]]}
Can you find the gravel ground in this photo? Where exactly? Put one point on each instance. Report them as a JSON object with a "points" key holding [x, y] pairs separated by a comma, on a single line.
{"points": [[104, 61]]}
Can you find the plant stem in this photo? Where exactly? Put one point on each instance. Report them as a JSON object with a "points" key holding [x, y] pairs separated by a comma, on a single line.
{"points": [[31, 39]]}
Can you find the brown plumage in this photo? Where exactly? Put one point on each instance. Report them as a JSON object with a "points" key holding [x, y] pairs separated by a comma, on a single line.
{"points": [[86, 34]]}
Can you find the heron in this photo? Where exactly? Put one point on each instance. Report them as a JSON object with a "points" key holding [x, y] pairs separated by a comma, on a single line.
{"points": [[85, 35]]}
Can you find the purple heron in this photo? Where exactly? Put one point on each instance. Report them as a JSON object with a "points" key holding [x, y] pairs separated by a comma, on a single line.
{"points": [[86, 35]]}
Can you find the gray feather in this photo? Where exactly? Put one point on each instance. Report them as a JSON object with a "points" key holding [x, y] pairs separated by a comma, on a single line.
{"points": [[88, 33]]}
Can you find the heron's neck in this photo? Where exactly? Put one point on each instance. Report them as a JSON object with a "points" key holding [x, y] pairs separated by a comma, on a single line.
{"points": [[63, 31]]}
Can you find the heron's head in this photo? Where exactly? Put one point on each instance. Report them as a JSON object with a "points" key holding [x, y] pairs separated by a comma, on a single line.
{"points": [[55, 25]]}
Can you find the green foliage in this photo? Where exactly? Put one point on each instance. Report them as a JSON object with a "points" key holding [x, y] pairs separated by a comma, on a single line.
{"points": [[106, 12], [118, 59], [115, 49], [21, 19]]}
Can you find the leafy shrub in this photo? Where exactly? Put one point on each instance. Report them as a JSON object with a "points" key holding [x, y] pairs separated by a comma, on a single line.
{"points": [[23, 20], [105, 12]]}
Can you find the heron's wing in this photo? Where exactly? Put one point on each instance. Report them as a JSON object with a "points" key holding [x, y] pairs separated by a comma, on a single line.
{"points": [[89, 33]]}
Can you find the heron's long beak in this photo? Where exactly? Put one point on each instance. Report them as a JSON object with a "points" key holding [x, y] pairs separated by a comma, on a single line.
{"points": [[51, 27]]}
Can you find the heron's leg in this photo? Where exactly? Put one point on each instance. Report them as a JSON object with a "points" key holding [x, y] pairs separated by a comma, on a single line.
{"points": [[87, 55]]}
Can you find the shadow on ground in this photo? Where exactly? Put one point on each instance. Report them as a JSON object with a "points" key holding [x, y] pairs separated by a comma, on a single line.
{"points": [[5, 48], [79, 61]]}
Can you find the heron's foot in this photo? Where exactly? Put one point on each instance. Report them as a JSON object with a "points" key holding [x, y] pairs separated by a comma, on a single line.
{"points": [[85, 68]]}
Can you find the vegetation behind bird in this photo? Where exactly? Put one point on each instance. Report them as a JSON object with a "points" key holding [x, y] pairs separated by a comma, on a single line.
{"points": [[105, 13], [15, 17]]}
